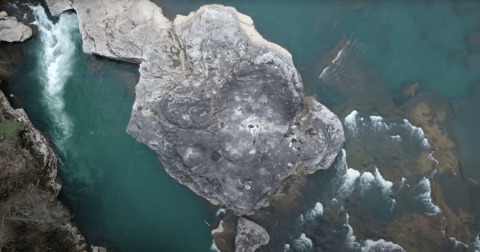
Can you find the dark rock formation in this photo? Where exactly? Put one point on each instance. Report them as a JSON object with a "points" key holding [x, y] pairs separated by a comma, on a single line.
{"points": [[223, 108]]}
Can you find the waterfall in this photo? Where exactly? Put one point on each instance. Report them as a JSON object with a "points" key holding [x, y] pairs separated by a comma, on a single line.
{"points": [[56, 55]]}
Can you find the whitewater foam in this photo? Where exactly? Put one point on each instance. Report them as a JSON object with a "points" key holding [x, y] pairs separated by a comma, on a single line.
{"points": [[315, 212], [350, 239], [56, 57], [220, 211], [213, 247], [357, 124], [368, 245], [352, 179], [424, 196], [477, 244], [302, 244], [310, 215], [380, 245], [348, 175], [416, 132]]}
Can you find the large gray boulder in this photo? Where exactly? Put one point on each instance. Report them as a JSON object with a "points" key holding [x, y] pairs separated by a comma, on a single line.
{"points": [[249, 236], [223, 108], [11, 30]]}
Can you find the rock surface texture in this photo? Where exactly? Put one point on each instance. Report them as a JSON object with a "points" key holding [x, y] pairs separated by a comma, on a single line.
{"points": [[223, 108], [11, 30], [249, 236]]}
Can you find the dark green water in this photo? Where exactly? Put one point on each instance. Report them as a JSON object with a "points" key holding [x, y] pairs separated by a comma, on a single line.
{"points": [[115, 186]]}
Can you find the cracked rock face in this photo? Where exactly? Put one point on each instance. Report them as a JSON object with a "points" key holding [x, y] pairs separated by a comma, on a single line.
{"points": [[249, 236], [223, 108], [11, 30]]}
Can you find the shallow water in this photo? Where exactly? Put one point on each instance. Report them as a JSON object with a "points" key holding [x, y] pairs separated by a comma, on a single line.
{"points": [[123, 199]]}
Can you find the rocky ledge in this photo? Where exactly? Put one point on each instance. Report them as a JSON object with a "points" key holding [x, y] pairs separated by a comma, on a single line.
{"points": [[223, 108], [11, 30]]}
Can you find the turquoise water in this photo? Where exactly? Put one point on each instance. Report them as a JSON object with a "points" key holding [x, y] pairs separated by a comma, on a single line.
{"points": [[116, 188], [405, 41]]}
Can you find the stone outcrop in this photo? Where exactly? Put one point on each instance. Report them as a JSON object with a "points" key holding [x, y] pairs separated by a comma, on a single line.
{"points": [[249, 236], [223, 108], [11, 30]]}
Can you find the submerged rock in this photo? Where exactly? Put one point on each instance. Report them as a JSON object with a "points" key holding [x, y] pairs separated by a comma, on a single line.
{"points": [[223, 108], [249, 236], [11, 30]]}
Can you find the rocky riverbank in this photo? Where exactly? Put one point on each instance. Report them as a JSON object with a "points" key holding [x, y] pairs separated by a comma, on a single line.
{"points": [[32, 218]]}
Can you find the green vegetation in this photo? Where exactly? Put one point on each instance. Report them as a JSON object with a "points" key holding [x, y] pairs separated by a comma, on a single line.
{"points": [[188, 177], [272, 198], [9, 129]]}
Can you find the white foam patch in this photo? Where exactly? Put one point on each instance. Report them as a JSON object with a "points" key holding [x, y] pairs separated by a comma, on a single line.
{"points": [[349, 175], [286, 248], [352, 178], [380, 245], [213, 247], [351, 122], [416, 132], [477, 244], [350, 239], [220, 211], [378, 123], [425, 196], [365, 182], [56, 63], [356, 124], [303, 244], [368, 179], [311, 214], [315, 212], [458, 245], [368, 245], [384, 184]]}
